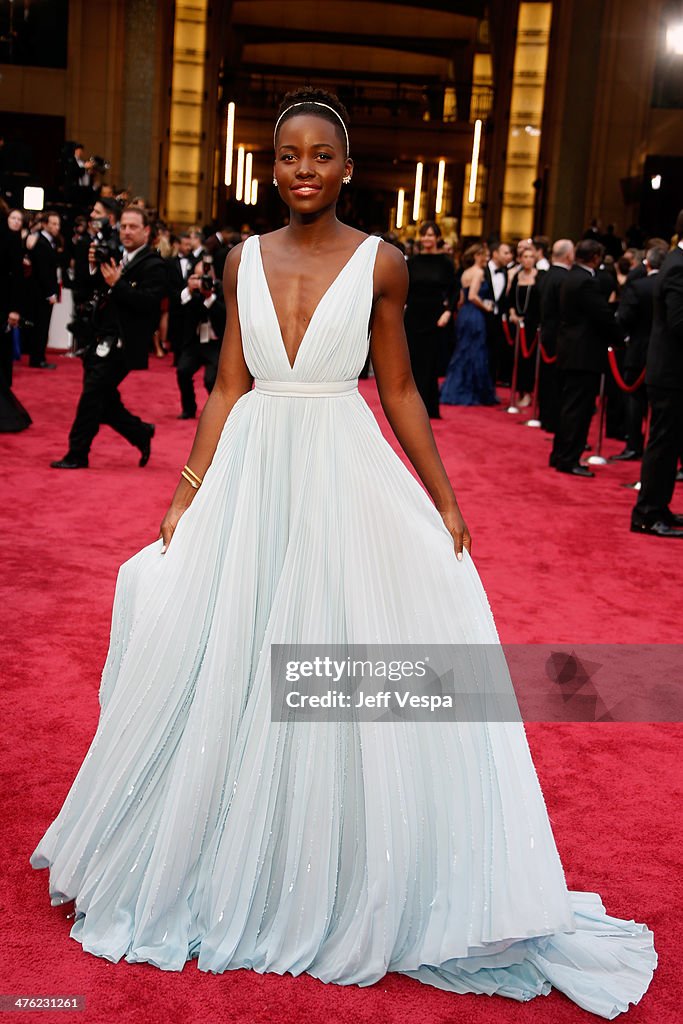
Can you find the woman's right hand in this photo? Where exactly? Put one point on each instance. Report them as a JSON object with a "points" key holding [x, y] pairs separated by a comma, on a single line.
{"points": [[168, 525]]}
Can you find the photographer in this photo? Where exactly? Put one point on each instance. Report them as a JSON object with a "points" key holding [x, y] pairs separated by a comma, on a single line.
{"points": [[128, 297], [102, 228], [203, 327]]}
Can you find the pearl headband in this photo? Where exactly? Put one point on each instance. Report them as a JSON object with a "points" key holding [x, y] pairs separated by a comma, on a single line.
{"points": [[314, 103]]}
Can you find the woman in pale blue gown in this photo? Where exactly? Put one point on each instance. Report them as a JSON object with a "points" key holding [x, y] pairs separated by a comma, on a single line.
{"points": [[201, 824]]}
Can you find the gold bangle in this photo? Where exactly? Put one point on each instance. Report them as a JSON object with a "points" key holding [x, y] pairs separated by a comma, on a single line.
{"points": [[190, 481], [194, 476], [185, 474]]}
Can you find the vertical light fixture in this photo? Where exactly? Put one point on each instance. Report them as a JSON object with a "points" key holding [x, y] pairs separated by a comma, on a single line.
{"points": [[439, 186], [400, 202], [254, 191], [239, 183], [474, 166], [527, 99], [247, 178], [417, 198], [229, 142]]}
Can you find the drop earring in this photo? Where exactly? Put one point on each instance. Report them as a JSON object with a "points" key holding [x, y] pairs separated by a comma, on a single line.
{"points": [[346, 180], [274, 180]]}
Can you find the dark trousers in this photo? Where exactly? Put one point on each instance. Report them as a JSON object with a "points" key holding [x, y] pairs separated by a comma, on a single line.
{"points": [[578, 390], [192, 358], [500, 353], [41, 313], [660, 459], [635, 411], [615, 398], [100, 403], [548, 396]]}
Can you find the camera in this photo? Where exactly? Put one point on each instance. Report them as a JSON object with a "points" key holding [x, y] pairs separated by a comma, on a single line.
{"points": [[107, 243], [99, 164], [208, 280]]}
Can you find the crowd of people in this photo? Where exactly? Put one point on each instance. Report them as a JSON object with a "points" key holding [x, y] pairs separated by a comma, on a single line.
{"points": [[558, 324], [537, 318]]}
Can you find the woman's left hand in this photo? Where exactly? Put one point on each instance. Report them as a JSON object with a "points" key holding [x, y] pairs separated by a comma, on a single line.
{"points": [[457, 527], [444, 318]]}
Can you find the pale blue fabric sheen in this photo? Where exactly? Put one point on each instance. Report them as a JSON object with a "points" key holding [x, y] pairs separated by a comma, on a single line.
{"points": [[196, 827]]}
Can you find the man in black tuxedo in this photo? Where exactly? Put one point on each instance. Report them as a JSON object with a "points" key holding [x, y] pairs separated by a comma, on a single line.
{"points": [[180, 268], [496, 276], [587, 327], [43, 289], [550, 287], [634, 316], [126, 317], [664, 380], [203, 332]]}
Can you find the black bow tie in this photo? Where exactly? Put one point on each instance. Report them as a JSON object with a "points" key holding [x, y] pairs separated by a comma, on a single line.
{"points": [[500, 270]]}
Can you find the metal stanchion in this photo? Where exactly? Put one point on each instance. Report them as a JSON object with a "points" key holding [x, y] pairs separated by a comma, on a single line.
{"points": [[598, 459], [513, 384], [535, 416]]}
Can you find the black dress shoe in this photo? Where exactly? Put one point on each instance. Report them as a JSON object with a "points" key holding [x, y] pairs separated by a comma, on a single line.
{"points": [[679, 476], [69, 463], [576, 470], [628, 455], [186, 416], [43, 366], [146, 447], [676, 519], [658, 529]]}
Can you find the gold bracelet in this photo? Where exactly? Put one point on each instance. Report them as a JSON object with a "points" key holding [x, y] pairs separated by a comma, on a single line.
{"points": [[191, 477]]}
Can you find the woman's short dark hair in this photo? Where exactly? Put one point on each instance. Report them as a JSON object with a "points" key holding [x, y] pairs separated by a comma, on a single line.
{"points": [[426, 225], [308, 99], [588, 249]]}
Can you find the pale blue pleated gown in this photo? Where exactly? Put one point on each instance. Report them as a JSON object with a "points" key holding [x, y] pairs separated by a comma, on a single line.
{"points": [[198, 827]]}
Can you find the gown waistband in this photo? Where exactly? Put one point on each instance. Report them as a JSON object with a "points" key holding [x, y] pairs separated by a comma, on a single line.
{"points": [[311, 389]]}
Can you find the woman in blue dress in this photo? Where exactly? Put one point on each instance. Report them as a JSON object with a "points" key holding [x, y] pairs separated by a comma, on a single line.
{"points": [[468, 381]]}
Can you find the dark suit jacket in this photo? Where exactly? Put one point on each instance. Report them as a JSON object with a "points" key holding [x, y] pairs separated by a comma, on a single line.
{"points": [[44, 261], [665, 351], [131, 309], [502, 301], [11, 273], [587, 325], [197, 313], [177, 312], [634, 316], [550, 287], [83, 281]]}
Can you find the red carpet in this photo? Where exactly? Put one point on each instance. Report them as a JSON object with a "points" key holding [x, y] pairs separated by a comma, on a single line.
{"points": [[559, 565]]}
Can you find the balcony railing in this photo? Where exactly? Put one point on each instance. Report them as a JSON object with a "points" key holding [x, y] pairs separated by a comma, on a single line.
{"points": [[433, 101]]}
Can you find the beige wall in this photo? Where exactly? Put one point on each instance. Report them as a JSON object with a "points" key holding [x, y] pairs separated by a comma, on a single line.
{"points": [[599, 126], [101, 96]]}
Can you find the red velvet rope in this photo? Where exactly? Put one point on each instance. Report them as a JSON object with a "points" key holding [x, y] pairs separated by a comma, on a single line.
{"points": [[506, 331], [526, 352], [545, 357], [628, 388]]}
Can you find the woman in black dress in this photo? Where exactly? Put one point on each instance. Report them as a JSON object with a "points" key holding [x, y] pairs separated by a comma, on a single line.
{"points": [[13, 416], [524, 305], [429, 309]]}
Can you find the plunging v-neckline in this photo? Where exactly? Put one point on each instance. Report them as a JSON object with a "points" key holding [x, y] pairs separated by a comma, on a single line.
{"points": [[318, 305]]}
